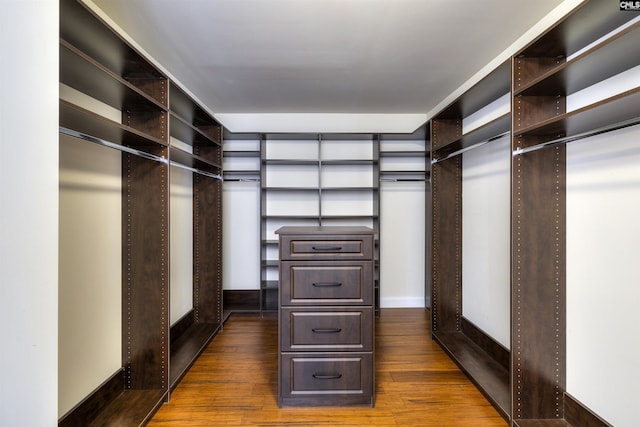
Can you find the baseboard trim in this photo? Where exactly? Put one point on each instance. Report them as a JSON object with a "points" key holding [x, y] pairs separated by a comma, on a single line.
{"points": [[576, 414], [402, 302], [241, 300]]}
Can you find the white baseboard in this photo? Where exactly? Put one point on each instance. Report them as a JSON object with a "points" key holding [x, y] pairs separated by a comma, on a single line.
{"points": [[406, 302]]}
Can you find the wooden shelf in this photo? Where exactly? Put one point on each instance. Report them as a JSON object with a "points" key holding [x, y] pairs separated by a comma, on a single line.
{"points": [[193, 161], [131, 408], [290, 162], [490, 88], [190, 112], [186, 349], [240, 153], [487, 132], [490, 377], [345, 162], [97, 62], [288, 189], [586, 23], [188, 133], [89, 123], [82, 73], [405, 153], [605, 60], [88, 34], [616, 109], [541, 423]]}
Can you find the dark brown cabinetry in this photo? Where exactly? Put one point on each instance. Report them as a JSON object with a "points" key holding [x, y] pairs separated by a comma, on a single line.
{"points": [[592, 43], [159, 128], [326, 316]]}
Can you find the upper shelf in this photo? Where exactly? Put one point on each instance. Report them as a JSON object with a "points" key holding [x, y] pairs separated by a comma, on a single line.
{"points": [[608, 112], [193, 161], [491, 130], [446, 127], [579, 28], [84, 74], [89, 123], [613, 56], [82, 29], [490, 88], [190, 134], [190, 122]]}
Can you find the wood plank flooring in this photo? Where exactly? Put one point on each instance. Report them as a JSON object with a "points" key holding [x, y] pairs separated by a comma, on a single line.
{"points": [[234, 382]]}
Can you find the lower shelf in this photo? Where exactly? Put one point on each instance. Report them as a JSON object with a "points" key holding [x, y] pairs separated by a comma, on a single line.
{"points": [[489, 376], [186, 349], [541, 423], [131, 408]]}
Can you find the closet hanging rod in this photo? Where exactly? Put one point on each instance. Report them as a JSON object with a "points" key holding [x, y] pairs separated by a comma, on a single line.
{"points": [[194, 170], [115, 146], [567, 139], [474, 146], [403, 179], [133, 151], [242, 179]]}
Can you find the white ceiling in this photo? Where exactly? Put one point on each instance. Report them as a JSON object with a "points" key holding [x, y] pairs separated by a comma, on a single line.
{"points": [[273, 58]]}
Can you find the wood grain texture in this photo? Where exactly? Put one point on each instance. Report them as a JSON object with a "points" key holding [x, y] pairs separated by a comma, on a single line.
{"points": [[234, 382]]}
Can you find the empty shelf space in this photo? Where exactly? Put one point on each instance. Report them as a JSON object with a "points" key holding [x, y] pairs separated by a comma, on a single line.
{"points": [[491, 378], [131, 408], [186, 348]]}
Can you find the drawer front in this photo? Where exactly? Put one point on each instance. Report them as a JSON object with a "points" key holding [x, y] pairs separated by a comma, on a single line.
{"points": [[326, 247], [327, 374], [329, 329], [326, 283]]}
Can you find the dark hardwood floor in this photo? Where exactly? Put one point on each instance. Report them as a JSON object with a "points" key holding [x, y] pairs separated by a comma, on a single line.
{"points": [[234, 382]]}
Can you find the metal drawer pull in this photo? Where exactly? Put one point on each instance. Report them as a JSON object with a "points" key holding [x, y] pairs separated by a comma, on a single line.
{"points": [[326, 331], [327, 285], [327, 376], [326, 248]]}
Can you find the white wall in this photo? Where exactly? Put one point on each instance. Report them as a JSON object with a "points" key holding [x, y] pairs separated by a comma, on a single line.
{"points": [[603, 274], [402, 225], [241, 235], [29, 213], [603, 207], [486, 238], [402, 244], [90, 269], [180, 240]]}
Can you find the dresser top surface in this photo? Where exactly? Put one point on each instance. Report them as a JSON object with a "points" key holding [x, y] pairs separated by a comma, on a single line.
{"points": [[329, 230]]}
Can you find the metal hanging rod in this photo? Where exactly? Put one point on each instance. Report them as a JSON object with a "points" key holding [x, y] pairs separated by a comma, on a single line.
{"points": [[403, 179], [194, 170], [242, 179], [115, 146], [567, 139], [472, 147], [134, 151]]}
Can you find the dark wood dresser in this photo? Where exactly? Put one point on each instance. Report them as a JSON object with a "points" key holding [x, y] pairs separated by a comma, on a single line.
{"points": [[326, 316]]}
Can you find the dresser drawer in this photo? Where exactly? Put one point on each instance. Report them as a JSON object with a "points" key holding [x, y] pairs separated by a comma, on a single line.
{"points": [[339, 374], [326, 282], [328, 329], [326, 247]]}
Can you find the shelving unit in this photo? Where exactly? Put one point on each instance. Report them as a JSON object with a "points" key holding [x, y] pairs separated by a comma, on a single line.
{"points": [[558, 64], [404, 169], [527, 383], [242, 187], [477, 354], [312, 180], [191, 125], [96, 62]]}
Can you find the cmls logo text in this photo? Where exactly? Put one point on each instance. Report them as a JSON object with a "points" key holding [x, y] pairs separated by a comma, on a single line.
{"points": [[630, 5]]}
